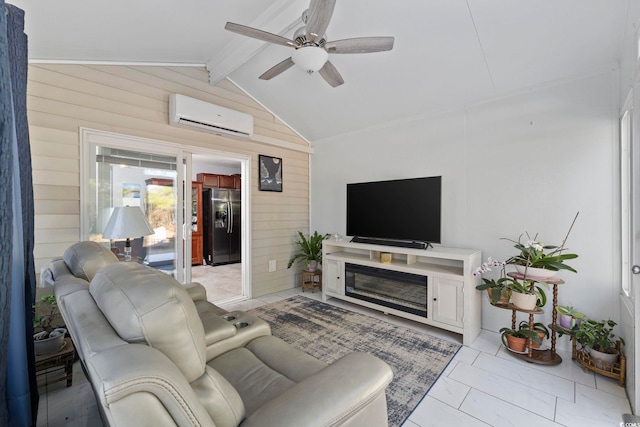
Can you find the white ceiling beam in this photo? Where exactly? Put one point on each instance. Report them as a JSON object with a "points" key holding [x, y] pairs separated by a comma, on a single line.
{"points": [[281, 15]]}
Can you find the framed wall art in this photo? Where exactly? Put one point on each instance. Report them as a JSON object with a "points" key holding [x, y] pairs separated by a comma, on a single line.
{"points": [[270, 173]]}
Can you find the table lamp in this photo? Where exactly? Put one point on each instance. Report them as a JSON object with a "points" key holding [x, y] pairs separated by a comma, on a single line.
{"points": [[127, 222]]}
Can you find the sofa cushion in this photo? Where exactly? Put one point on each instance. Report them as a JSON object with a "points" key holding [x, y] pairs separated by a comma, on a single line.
{"points": [[144, 305], [256, 383], [84, 259]]}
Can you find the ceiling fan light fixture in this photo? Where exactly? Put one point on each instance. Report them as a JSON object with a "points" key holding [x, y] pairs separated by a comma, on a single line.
{"points": [[310, 58]]}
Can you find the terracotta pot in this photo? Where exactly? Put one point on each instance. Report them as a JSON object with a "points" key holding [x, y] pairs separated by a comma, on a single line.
{"points": [[524, 301], [516, 344], [542, 335], [541, 273], [504, 299]]}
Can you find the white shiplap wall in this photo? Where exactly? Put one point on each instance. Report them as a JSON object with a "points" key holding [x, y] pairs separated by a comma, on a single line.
{"points": [[133, 100]]}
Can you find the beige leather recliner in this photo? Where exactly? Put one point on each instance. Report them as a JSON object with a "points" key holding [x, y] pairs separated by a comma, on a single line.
{"points": [[82, 260], [142, 342]]}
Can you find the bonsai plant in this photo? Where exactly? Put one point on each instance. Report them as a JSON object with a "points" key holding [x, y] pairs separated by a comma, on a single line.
{"points": [[49, 306], [539, 328], [310, 250], [516, 340], [568, 317], [599, 340], [48, 340], [539, 260]]}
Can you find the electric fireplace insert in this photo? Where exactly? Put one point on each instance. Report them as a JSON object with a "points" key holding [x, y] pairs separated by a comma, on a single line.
{"points": [[402, 291]]}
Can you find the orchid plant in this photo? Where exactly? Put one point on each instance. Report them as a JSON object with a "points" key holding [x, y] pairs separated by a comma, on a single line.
{"points": [[504, 285], [535, 254], [497, 288]]}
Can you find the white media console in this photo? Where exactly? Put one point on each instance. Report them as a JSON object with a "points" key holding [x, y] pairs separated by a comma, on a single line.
{"points": [[452, 301]]}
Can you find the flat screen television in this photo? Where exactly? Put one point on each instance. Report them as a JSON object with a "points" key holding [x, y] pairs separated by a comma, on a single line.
{"points": [[401, 209]]}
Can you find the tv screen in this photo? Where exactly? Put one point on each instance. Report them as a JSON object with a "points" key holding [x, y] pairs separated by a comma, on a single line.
{"points": [[402, 209]]}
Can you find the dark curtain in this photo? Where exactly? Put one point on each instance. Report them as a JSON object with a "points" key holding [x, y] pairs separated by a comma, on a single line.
{"points": [[19, 403]]}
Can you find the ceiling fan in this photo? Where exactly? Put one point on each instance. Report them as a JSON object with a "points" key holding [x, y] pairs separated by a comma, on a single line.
{"points": [[311, 46]]}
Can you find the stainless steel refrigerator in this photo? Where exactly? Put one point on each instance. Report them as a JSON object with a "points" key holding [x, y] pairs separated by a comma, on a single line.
{"points": [[221, 225]]}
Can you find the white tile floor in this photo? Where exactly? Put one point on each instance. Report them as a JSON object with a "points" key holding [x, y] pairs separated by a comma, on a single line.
{"points": [[222, 282], [482, 386]]}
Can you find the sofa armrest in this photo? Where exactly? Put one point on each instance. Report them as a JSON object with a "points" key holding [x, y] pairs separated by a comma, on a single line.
{"points": [[329, 397], [196, 291], [124, 371], [249, 327]]}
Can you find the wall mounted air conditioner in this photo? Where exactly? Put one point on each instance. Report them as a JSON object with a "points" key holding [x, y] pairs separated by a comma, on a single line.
{"points": [[195, 114]]}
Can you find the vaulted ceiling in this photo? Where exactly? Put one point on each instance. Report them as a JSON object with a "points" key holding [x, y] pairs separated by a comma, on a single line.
{"points": [[447, 53]]}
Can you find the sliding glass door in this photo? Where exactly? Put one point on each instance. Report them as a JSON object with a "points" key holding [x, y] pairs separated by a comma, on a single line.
{"points": [[118, 173]]}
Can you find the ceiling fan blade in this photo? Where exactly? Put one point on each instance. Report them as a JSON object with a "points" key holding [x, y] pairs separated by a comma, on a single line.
{"points": [[331, 74], [318, 17], [259, 34], [277, 69], [360, 45]]}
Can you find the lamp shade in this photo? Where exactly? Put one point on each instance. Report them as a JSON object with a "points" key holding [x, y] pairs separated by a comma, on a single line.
{"points": [[310, 58], [127, 222]]}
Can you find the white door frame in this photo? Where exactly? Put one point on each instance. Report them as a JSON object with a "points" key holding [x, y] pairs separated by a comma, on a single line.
{"points": [[245, 208], [91, 137], [629, 296]]}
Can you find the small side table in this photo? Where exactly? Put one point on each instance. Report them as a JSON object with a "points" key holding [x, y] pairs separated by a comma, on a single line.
{"points": [[63, 358], [311, 279]]}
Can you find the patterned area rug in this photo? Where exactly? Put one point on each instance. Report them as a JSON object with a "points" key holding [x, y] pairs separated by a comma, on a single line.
{"points": [[328, 333]]}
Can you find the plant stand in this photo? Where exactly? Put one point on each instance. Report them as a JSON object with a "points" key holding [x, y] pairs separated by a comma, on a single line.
{"points": [[615, 370], [539, 356], [63, 358]]}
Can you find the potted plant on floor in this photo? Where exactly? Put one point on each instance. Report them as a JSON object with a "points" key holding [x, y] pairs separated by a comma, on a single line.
{"points": [[47, 340], [538, 260], [568, 317], [539, 328], [599, 341], [516, 340], [310, 250]]}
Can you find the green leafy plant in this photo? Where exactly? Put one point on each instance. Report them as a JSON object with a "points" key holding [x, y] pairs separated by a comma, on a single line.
{"points": [[576, 318], [505, 285], [310, 248], [537, 326], [497, 288], [568, 310], [520, 333], [537, 255], [528, 287], [598, 335], [49, 306]]}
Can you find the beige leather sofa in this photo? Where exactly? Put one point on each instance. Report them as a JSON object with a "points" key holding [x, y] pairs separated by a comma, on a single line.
{"points": [[156, 358]]}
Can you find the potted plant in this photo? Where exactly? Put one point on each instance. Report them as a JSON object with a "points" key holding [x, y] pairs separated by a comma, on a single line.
{"points": [[539, 328], [48, 340], [526, 294], [310, 250], [542, 261], [568, 317], [599, 340], [497, 290], [516, 340]]}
